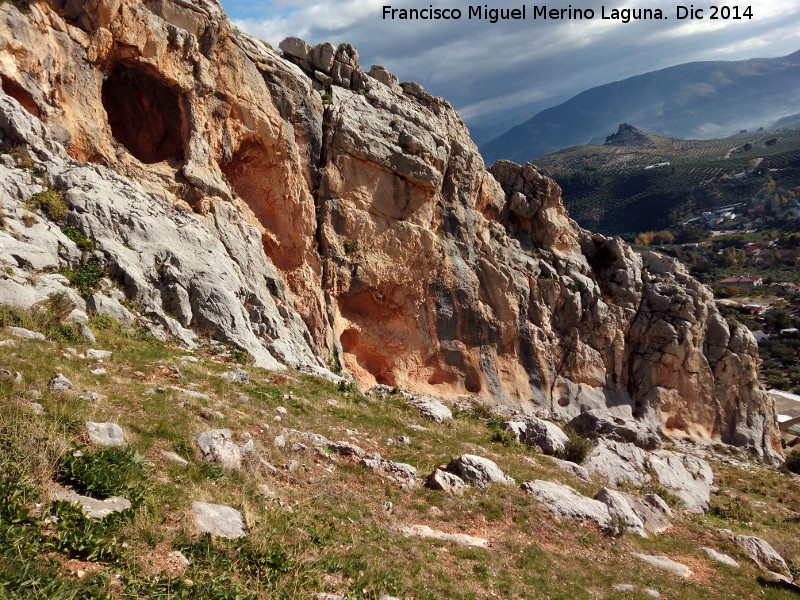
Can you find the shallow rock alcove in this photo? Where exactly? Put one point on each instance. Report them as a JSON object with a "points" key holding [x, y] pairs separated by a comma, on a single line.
{"points": [[144, 113], [20, 94]]}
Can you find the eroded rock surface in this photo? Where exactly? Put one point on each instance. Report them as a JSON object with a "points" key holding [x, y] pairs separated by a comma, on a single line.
{"points": [[313, 213]]}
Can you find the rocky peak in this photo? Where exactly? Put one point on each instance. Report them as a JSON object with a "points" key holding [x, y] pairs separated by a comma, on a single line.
{"points": [[628, 135], [315, 214]]}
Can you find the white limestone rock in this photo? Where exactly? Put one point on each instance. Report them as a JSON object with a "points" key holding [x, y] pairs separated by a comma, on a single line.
{"points": [[478, 471], [106, 434], [432, 408], [219, 520], [563, 501]]}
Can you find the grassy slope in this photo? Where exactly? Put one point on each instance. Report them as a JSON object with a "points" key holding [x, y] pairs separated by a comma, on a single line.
{"points": [[329, 530]]}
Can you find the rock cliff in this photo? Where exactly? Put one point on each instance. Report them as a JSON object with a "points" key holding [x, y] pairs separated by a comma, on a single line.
{"points": [[315, 214]]}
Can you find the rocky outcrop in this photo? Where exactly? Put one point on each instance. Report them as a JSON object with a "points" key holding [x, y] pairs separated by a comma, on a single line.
{"points": [[316, 214], [562, 500], [686, 476]]}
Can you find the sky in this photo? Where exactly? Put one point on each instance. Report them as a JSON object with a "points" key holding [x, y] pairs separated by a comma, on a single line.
{"points": [[500, 74]]}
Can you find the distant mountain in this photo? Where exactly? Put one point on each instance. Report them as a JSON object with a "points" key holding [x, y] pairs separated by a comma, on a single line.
{"points": [[790, 121], [689, 101]]}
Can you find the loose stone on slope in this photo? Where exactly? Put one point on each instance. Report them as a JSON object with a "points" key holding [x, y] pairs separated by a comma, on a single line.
{"points": [[219, 520]]}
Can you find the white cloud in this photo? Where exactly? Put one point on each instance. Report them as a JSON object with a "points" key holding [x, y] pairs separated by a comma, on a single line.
{"points": [[492, 70]]}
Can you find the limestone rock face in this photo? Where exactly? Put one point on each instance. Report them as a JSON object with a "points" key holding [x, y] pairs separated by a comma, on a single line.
{"points": [[306, 210]]}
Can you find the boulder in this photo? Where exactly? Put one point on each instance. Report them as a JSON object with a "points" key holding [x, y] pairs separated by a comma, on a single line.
{"points": [[654, 519], [720, 557], [346, 449], [321, 57], [478, 471], [517, 428], [658, 503], [571, 468], [217, 447], [616, 462], [762, 552], [665, 564], [622, 513], [314, 438], [431, 408], [111, 307], [92, 508], [219, 520], [59, 383], [85, 332], [175, 459], [620, 429], [385, 77], [447, 482], [686, 476], [237, 376], [563, 501], [395, 469], [296, 47], [545, 435], [106, 434], [27, 334]]}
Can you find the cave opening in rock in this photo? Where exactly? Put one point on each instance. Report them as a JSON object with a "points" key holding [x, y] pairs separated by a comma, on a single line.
{"points": [[144, 113], [21, 95]]}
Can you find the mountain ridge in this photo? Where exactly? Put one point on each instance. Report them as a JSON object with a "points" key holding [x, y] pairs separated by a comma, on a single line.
{"points": [[672, 102]]}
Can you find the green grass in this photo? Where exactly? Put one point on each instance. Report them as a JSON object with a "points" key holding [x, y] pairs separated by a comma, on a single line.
{"points": [[328, 530], [46, 317]]}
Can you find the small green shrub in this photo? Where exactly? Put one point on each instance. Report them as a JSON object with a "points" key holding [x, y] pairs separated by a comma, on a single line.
{"points": [[350, 246], [667, 496], [577, 448], [20, 153], [479, 412], [85, 278], [239, 356], [213, 472], [335, 365], [731, 508], [80, 537], [76, 235], [182, 589], [103, 472], [51, 203], [793, 461], [327, 99], [505, 437], [346, 386], [58, 306]]}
